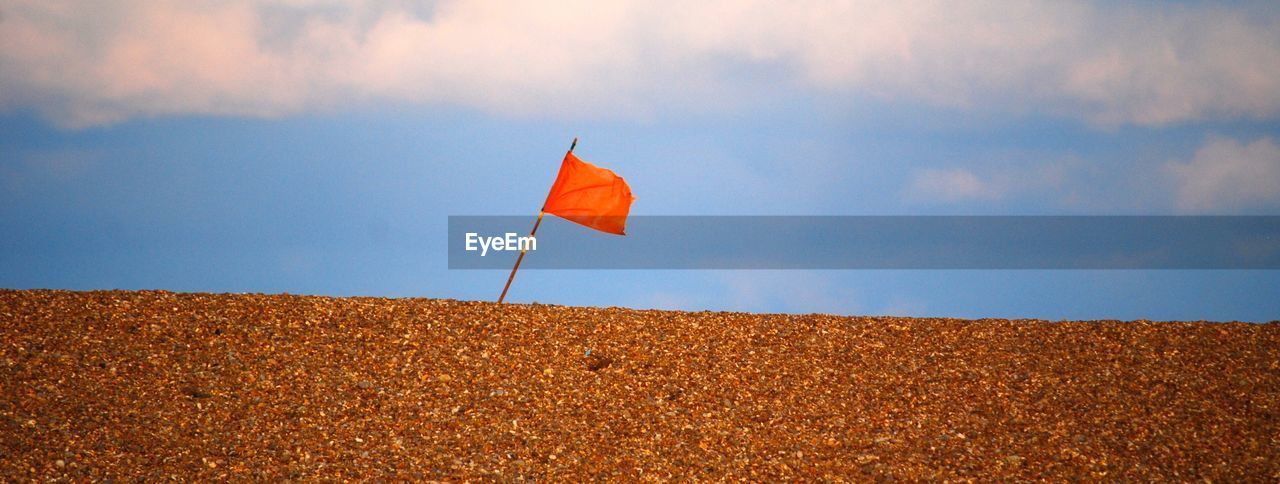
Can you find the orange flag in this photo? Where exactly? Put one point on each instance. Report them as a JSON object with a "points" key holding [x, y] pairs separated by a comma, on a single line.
{"points": [[590, 195]]}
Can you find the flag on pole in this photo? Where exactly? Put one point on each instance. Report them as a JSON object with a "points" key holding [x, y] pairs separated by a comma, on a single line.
{"points": [[586, 194], [589, 195]]}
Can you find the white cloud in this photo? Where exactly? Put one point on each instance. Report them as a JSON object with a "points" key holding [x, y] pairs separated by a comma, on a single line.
{"points": [[85, 64], [950, 185], [1038, 182], [1227, 174]]}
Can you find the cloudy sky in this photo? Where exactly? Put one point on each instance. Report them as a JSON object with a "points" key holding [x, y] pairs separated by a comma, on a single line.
{"points": [[319, 146]]}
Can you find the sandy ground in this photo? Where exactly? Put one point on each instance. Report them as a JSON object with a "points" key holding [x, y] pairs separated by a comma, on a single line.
{"points": [[158, 385]]}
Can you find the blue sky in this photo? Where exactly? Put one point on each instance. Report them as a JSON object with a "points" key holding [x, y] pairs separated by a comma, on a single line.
{"points": [[318, 147]]}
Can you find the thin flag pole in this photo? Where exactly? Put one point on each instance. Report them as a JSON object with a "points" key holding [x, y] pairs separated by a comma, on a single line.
{"points": [[520, 258]]}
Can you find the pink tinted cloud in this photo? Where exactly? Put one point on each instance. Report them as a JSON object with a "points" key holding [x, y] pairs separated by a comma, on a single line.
{"points": [[84, 64]]}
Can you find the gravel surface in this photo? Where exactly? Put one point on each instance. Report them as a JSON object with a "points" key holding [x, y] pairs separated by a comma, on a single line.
{"points": [[158, 385]]}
